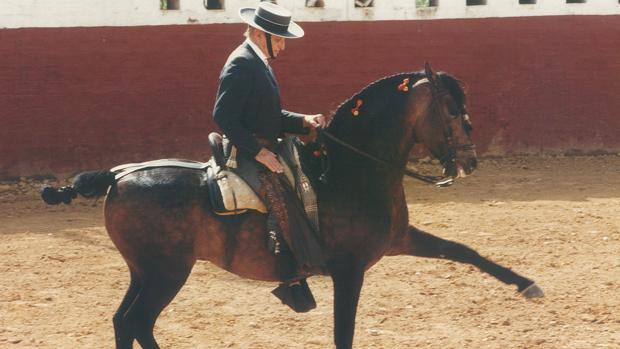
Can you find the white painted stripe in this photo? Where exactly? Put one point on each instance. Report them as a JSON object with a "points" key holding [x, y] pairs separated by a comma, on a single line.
{"points": [[86, 13]]}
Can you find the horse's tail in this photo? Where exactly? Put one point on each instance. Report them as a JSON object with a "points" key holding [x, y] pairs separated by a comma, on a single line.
{"points": [[88, 184]]}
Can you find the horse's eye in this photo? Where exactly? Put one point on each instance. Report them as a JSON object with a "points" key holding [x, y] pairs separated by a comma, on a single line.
{"points": [[453, 110], [454, 114]]}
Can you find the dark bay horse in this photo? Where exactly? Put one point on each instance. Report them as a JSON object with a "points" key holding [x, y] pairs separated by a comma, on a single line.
{"points": [[161, 222]]}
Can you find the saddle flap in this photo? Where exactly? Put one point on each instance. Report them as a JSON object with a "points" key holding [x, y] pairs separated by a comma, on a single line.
{"points": [[237, 194], [229, 194]]}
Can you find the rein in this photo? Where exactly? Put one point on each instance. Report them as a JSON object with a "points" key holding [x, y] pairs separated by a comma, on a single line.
{"points": [[438, 181]]}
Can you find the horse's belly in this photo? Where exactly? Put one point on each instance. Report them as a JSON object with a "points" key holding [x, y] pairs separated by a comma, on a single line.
{"points": [[238, 246]]}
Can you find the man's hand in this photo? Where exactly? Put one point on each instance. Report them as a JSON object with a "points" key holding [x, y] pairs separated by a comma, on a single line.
{"points": [[314, 121], [270, 160]]}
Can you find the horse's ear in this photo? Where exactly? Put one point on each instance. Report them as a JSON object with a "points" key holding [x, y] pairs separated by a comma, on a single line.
{"points": [[430, 74]]}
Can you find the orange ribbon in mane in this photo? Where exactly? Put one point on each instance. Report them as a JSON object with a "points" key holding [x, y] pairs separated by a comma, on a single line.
{"points": [[356, 111], [404, 87]]}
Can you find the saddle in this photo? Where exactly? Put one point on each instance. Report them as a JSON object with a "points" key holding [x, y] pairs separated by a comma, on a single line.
{"points": [[229, 194], [237, 196]]}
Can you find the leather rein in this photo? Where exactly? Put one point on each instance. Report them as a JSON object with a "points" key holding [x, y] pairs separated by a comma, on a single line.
{"points": [[436, 180]]}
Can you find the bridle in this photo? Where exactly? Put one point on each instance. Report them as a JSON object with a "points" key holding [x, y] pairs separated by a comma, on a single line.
{"points": [[450, 157]]}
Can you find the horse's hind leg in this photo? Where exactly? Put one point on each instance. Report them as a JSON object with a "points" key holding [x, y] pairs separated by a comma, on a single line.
{"points": [[416, 242], [123, 333], [160, 281]]}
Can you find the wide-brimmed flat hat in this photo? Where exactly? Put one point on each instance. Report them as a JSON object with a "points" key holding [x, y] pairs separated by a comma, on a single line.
{"points": [[272, 19]]}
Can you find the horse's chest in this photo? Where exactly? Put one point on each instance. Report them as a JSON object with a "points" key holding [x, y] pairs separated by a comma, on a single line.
{"points": [[366, 232]]}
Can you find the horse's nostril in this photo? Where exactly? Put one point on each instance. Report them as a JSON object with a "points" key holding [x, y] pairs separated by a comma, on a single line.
{"points": [[470, 165]]}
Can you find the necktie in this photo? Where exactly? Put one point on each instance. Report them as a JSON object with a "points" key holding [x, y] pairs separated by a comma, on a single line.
{"points": [[271, 72], [273, 77]]}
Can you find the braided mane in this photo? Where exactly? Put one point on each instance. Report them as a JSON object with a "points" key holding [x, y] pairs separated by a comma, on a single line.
{"points": [[391, 80], [381, 97]]}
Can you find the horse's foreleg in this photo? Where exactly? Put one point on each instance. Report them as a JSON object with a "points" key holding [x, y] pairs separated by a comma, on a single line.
{"points": [[416, 242], [348, 279]]}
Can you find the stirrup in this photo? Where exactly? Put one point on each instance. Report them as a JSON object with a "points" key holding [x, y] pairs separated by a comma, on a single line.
{"points": [[297, 296]]}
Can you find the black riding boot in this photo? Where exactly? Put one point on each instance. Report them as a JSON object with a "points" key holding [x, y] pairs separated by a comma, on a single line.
{"points": [[296, 295], [292, 240], [294, 291]]}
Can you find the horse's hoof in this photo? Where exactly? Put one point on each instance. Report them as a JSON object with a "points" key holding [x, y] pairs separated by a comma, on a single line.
{"points": [[533, 291]]}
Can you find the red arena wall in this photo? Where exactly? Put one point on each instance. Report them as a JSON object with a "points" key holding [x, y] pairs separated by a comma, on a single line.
{"points": [[74, 99]]}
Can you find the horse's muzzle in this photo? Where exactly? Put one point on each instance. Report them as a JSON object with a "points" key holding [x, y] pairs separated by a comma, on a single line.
{"points": [[464, 164]]}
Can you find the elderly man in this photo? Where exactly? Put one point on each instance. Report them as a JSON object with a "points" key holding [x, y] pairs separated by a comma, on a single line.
{"points": [[248, 110]]}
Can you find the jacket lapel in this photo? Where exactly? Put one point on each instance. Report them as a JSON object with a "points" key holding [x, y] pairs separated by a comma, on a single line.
{"points": [[267, 68]]}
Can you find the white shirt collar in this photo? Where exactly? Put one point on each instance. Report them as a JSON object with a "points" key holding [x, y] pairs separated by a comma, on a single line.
{"points": [[258, 51]]}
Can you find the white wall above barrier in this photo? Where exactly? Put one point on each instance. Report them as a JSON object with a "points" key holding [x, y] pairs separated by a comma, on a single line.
{"points": [[87, 13]]}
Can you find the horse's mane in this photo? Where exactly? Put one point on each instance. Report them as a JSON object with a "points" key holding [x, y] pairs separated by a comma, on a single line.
{"points": [[390, 82], [344, 107]]}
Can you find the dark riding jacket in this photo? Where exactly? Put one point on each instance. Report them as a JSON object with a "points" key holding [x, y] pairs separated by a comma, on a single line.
{"points": [[248, 107]]}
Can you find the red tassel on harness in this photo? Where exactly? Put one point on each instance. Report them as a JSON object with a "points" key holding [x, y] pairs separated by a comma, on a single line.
{"points": [[356, 111], [404, 87]]}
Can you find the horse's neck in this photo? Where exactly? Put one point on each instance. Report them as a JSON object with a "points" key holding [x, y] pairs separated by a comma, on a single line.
{"points": [[362, 176], [375, 122]]}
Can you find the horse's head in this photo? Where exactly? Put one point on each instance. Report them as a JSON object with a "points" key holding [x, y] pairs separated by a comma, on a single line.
{"points": [[376, 128], [444, 127]]}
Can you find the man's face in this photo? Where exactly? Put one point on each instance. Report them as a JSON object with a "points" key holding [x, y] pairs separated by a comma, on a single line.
{"points": [[277, 43]]}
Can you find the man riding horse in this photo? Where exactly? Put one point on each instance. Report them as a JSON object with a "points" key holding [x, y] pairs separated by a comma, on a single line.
{"points": [[248, 111]]}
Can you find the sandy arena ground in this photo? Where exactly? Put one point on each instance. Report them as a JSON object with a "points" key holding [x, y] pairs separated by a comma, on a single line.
{"points": [[556, 220]]}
